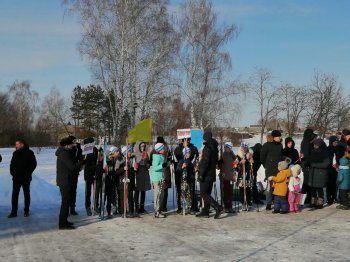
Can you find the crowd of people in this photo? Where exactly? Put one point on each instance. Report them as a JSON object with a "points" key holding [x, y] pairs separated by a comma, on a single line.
{"points": [[117, 180]]}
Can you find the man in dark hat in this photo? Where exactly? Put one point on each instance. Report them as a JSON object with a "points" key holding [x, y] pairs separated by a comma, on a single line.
{"points": [[67, 167], [270, 155], [207, 175], [23, 164]]}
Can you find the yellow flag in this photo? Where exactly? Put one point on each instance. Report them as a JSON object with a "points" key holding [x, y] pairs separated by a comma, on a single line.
{"points": [[142, 131]]}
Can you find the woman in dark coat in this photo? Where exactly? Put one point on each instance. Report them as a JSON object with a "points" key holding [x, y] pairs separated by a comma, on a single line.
{"points": [[290, 151], [256, 165], [143, 182], [319, 161]]}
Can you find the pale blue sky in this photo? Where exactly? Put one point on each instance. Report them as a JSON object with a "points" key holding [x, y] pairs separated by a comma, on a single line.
{"points": [[291, 38]]}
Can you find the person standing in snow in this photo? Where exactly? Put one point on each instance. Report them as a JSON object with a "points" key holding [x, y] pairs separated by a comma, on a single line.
{"points": [[157, 178], [343, 182], [319, 161], [332, 171], [67, 168], [22, 166], [289, 151], [294, 187], [77, 156], [89, 174], [228, 176], [143, 182], [256, 165], [207, 175], [271, 155]]}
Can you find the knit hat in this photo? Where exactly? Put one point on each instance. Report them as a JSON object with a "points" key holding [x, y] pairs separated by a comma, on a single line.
{"points": [[296, 169], [126, 149], [276, 133], [207, 135], [159, 147], [186, 150], [346, 132], [89, 140], [114, 149], [282, 165], [228, 145], [318, 142]]}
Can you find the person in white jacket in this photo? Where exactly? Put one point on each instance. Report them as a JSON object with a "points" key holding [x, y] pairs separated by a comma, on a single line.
{"points": [[294, 187]]}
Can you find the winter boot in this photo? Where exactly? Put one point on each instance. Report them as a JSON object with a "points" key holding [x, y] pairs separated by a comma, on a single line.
{"points": [[203, 214], [73, 212], [218, 212], [320, 203], [313, 202], [268, 207], [88, 211]]}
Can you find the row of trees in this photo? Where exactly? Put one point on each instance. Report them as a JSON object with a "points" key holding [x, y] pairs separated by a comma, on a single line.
{"points": [[173, 67]]}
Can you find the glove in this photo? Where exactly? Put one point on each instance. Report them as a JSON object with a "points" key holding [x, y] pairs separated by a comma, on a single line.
{"points": [[164, 165], [270, 178]]}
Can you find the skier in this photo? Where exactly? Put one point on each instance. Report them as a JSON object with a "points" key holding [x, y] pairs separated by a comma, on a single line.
{"points": [[67, 167], [228, 175], [22, 166], [89, 174], [126, 174], [271, 154], [207, 175], [110, 182], [143, 182], [186, 142], [245, 158], [185, 166], [157, 178]]}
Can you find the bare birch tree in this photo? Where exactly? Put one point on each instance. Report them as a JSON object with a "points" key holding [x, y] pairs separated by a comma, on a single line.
{"points": [[203, 61], [264, 94], [129, 45]]}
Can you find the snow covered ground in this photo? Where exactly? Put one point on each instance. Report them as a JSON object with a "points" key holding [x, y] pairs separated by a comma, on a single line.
{"points": [[320, 235]]}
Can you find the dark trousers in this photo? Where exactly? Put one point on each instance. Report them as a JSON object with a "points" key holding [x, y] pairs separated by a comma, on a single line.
{"points": [[65, 201], [280, 203], [15, 192], [317, 192], [344, 197], [332, 185], [205, 189], [192, 185], [73, 191], [163, 206], [228, 193], [248, 195], [88, 187], [131, 201], [140, 197], [178, 189]]}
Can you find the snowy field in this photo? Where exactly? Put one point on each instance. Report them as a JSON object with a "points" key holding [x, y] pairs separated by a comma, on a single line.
{"points": [[321, 235]]}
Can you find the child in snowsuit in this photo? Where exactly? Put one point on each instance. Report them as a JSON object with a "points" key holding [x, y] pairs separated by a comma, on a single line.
{"points": [[281, 188], [343, 182], [294, 187]]}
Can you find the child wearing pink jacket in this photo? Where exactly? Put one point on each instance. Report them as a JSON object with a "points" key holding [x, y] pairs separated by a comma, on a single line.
{"points": [[294, 187]]}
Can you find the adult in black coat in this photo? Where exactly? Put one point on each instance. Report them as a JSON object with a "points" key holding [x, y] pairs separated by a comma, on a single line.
{"points": [[78, 156], [271, 154], [290, 151], [22, 166], [332, 172], [207, 174], [305, 150], [66, 167], [319, 161], [256, 165], [343, 145], [178, 174]]}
